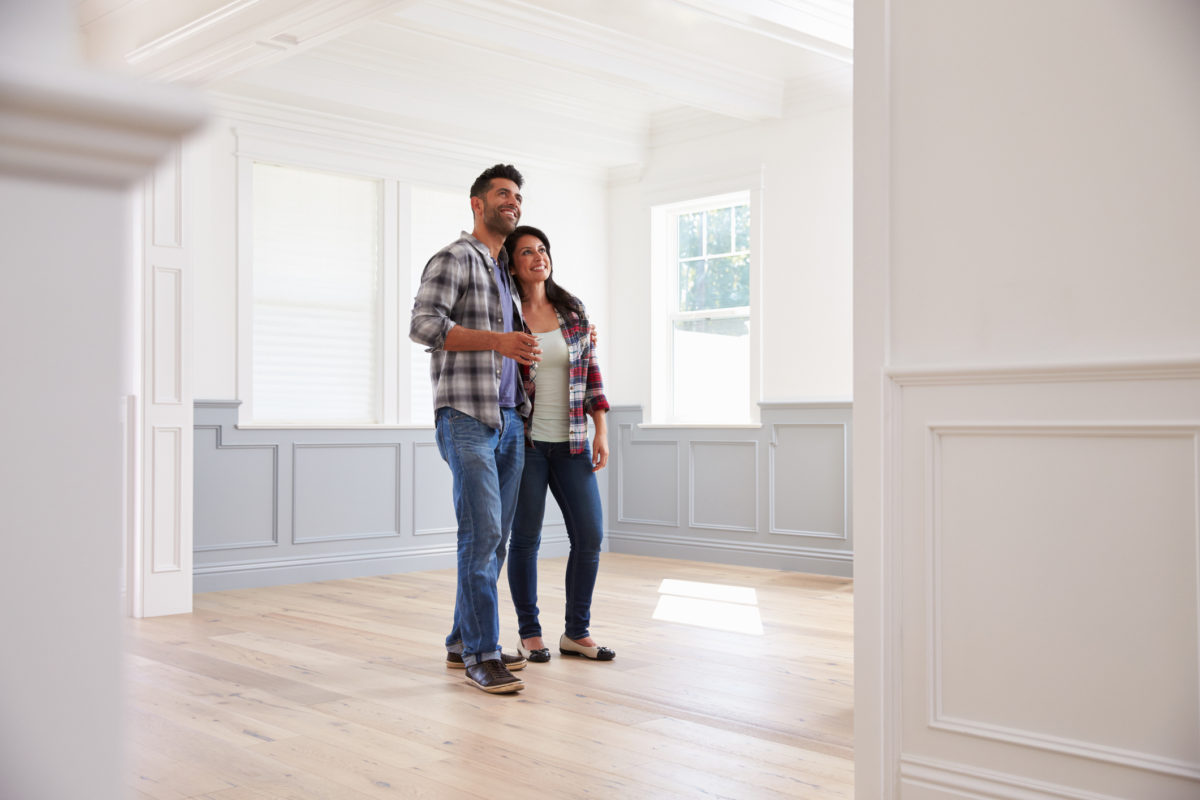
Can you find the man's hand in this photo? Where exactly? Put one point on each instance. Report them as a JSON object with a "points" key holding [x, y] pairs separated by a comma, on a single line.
{"points": [[592, 335], [519, 346]]}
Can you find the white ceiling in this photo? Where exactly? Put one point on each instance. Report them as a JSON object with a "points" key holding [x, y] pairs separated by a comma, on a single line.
{"points": [[587, 78]]}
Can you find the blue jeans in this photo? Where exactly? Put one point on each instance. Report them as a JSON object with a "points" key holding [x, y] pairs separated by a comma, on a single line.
{"points": [[486, 464], [573, 484]]}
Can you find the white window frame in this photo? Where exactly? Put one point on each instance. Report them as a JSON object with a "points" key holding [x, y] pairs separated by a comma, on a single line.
{"points": [[664, 290]]}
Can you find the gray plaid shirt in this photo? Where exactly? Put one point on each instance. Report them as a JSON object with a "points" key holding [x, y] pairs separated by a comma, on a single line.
{"points": [[458, 287]]}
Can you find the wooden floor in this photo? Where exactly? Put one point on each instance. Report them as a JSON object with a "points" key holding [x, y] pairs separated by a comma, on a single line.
{"points": [[338, 691]]}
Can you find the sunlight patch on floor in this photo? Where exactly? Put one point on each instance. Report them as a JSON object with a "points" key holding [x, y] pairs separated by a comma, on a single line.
{"points": [[709, 605]]}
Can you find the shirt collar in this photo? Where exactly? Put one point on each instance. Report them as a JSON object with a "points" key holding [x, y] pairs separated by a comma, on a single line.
{"points": [[484, 251]]}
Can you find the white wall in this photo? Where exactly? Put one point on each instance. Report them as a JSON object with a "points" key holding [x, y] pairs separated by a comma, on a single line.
{"points": [[1027, 399], [569, 205], [804, 164], [1058, 187]]}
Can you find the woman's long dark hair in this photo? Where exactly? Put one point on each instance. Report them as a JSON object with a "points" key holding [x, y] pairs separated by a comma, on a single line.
{"points": [[563, 301]]}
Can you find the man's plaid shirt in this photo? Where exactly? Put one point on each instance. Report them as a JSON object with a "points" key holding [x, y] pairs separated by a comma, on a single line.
{"points": [[585, 390], [458, 287]]}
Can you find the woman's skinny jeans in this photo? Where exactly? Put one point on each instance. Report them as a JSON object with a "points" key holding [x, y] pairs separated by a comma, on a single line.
{"points": [[573, 484]]}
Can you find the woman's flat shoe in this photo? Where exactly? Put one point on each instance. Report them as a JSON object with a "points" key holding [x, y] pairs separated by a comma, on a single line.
{"points": [[540, 656], [570, 647]]}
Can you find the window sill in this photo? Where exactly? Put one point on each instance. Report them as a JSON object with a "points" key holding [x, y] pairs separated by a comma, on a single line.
{"points": [[327, 426], [704, 425]]}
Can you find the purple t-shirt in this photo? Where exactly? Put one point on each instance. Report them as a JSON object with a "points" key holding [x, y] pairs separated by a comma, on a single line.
{"points": [[509, 376]]}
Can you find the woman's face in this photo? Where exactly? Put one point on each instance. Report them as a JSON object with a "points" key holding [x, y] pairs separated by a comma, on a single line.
{"points": [[531, 262]]}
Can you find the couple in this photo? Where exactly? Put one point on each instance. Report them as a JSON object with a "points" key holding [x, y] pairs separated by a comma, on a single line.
{"points": [[501, 331]]}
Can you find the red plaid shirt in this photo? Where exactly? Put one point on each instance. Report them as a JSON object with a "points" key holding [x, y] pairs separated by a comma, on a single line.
{"points": [[585, 390]]}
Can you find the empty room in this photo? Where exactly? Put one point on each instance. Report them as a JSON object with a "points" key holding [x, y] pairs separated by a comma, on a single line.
{"points": [[664, 399]]}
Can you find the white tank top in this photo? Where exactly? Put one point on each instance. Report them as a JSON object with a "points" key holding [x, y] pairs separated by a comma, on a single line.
{"points": [[551, 409]]}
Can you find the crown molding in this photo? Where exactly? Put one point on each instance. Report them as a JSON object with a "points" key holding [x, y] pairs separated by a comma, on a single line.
{"points": [[383, 148], [819, 91], [79, 125]]}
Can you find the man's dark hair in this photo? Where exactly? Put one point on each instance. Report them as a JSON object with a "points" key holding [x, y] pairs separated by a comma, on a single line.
{"points": [[484, 182]]}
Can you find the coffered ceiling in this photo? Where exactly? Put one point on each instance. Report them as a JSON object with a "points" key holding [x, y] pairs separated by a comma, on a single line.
{"points": [[579, 79]]}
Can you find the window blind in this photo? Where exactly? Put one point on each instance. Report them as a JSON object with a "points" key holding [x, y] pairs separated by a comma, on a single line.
{"points": [[316, 274]]}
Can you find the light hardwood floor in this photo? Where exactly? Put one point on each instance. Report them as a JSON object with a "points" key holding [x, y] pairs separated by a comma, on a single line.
{"points": [[338, 691]]}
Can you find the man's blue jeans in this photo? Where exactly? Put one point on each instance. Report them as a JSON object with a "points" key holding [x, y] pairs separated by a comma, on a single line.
{"points": [[573, 484], [486, 465]]}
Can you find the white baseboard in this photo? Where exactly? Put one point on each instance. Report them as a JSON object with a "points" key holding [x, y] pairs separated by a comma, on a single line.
{"points": [[839, 563], [972, 783], [256, 574]]}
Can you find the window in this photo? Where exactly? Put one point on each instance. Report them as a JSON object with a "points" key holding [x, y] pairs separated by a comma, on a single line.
{"points": [[707, 325], [316, 259], [332, 264]]}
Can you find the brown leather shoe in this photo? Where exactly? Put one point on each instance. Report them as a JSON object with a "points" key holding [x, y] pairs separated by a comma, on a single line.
{"points": [[514, 663], [492, 676]]}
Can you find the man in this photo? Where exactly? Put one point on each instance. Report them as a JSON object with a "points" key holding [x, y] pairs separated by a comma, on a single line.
{"points": [[465, 316]]}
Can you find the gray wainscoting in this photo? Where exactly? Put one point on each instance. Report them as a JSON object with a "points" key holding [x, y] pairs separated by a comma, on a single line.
{"points": [[293, 505], [773, 495]]}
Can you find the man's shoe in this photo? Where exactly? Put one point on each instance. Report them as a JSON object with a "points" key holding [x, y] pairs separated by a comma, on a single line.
{"points": [[492, 676], [514, 663]]}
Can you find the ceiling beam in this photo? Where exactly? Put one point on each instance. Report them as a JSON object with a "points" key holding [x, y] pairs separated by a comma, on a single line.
{"points": [[820, 26], [521, 30]]}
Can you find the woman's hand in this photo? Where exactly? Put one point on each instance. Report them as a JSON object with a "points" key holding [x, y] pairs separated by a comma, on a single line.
{"points": [[600, 450]]}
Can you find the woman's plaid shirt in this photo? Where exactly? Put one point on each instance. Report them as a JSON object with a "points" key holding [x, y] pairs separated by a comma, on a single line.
{"points": [[585, 390], [458, 287]]}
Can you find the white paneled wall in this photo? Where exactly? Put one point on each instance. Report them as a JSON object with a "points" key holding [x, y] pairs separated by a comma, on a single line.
{"points": [[1049, 530], [1027, 400]]}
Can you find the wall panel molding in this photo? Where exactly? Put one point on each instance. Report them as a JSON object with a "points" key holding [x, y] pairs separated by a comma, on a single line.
{"points": [[363, 491], [1186, 434], [331, 498], [774, 527], [273, 539], [166, 498], [166, 216], [626, 462], [167, 335], [451, 525], [1102, 454], [726, 500]]}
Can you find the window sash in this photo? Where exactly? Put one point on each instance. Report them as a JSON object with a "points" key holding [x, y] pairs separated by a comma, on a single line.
{"points": [[690, 399]]}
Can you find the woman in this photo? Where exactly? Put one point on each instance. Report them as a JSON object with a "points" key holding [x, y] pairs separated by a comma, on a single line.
{"points": [[564, 387]]}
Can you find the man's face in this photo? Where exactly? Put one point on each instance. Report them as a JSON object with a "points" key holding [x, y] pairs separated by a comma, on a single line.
{"points": [[500, 206]]}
